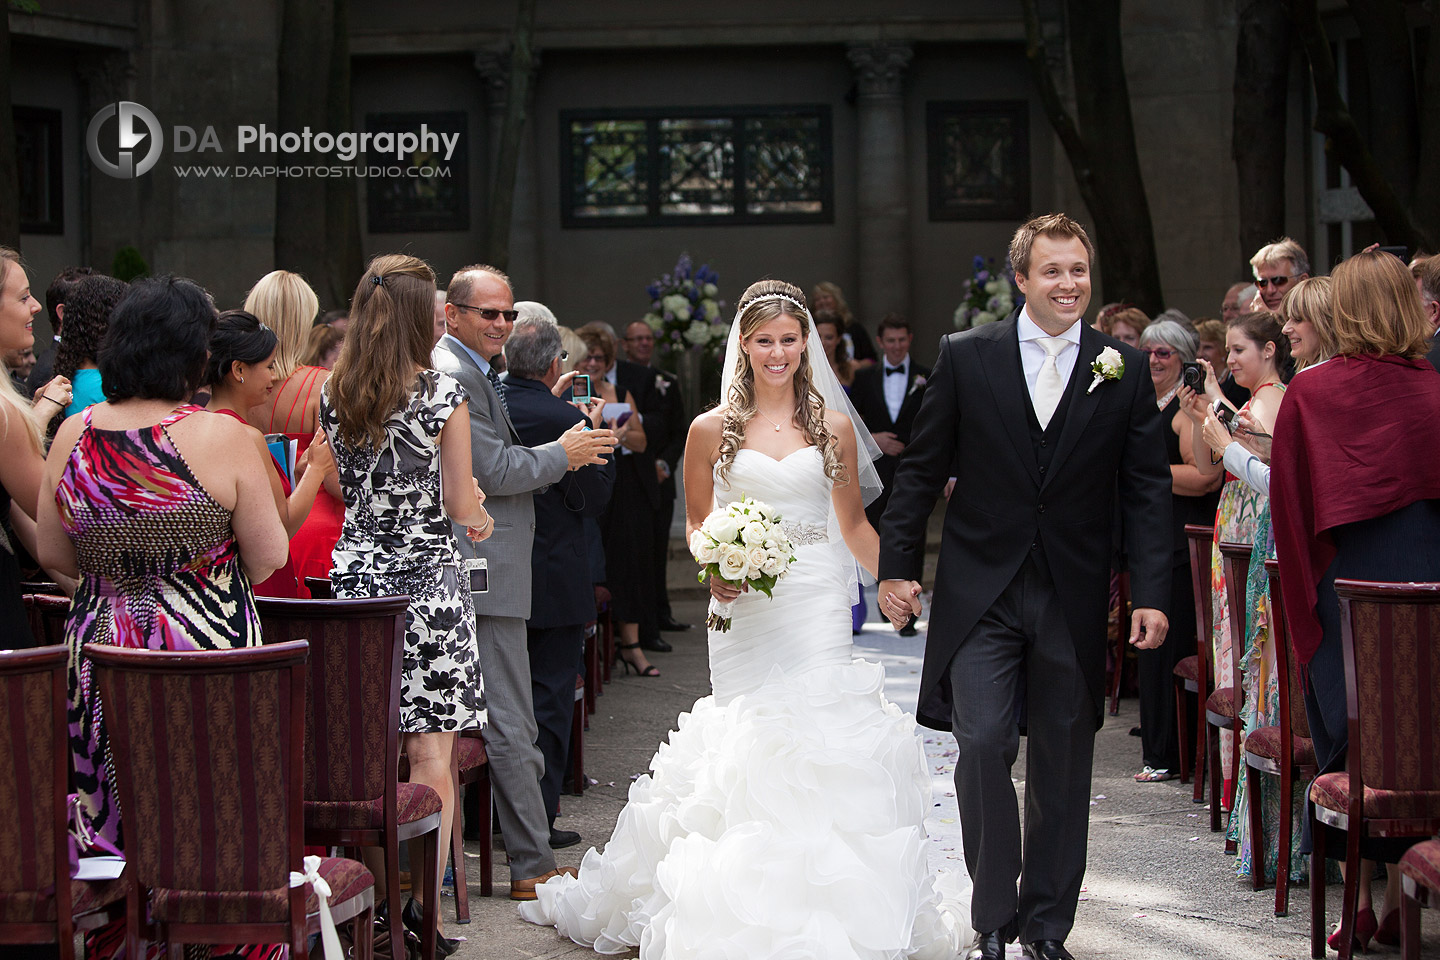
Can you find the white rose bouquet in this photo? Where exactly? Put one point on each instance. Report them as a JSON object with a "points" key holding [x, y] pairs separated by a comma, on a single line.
{"points": [[741, 543]]}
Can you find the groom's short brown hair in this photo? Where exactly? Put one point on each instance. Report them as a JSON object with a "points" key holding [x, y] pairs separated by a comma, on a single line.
{"points": [[1051, 225]]}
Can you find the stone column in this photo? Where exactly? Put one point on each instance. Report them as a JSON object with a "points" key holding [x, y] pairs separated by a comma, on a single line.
{"points": [[883, 222]]}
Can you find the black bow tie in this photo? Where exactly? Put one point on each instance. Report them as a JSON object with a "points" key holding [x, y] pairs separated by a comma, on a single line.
{"points": [[890, 370]]}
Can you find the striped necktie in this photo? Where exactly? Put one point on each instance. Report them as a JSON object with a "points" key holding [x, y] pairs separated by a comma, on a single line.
{"points": [[495, 382]]}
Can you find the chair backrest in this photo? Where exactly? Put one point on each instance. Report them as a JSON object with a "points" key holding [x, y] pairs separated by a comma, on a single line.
{"points": [[1200, 539], [208, 748], [48, 615], [1390, 633], [1294, 722], [320, 588], [34, 749], [1236, 560], [352, 707]]}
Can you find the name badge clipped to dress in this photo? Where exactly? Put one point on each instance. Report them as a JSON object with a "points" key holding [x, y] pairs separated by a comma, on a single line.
{"points": [[479, 571]]}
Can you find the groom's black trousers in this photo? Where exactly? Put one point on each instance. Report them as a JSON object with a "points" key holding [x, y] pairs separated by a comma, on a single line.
{"points": [[1022, 644]]}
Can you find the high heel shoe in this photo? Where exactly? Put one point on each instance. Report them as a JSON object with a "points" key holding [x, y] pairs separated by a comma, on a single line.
{"points": [[649, 671], [414, 919], [1365, 927], [1388, 932]]}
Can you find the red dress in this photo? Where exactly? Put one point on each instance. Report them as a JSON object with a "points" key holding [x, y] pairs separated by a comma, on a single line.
{"points": [[314, 542]]}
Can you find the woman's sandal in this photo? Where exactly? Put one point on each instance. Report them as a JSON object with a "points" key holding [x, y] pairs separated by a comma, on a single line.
{"points": [[650, 671], [1151, 775]]}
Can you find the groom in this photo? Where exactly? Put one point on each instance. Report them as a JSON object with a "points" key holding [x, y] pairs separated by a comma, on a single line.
{"points": [[1022, 588]]}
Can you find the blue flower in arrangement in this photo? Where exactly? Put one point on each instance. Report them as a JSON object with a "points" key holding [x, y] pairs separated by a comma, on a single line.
{"points": [[686, 312]]}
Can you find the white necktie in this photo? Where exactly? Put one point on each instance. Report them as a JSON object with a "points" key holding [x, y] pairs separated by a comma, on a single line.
{"points": [[1049, 385]]}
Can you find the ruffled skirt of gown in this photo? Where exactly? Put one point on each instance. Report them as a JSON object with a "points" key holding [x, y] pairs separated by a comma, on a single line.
{"points": [[784, 816]]}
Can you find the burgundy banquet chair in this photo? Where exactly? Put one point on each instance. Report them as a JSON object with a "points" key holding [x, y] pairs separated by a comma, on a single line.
{"points": [[1224, 706], [1192, 674]]}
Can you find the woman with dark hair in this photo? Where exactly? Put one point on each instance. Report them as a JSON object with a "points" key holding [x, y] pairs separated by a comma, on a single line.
{"points": [[162, 510], [393, 423], [324, 346], [87, 317], [827, 297], [240, 374], [831, 330], [1356, 494]]}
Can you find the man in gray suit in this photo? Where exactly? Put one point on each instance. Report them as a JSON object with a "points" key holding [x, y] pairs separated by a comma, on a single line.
{"points": [[479, 314]]}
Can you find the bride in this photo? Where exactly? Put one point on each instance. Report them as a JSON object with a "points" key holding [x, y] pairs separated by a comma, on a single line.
{"points": [[784, 817]]}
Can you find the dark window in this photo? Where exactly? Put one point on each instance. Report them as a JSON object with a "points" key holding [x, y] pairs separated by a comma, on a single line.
{"points": [[978, 154], [41, 168], [722, 165], [422, 192]]}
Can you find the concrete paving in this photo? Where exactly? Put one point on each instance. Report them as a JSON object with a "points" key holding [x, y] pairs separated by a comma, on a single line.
{"points": [[1158, 883]]}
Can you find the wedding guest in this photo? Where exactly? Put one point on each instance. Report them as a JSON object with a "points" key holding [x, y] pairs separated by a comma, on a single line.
{"points": [[19, 363], [1125, 323], [831, 331], [1364, 513], [339, 319], [555, 632], [439, 317], [1427, 278], [666, 428], [285, 303], [1231, 305], [323, 347], [1212, 351], [1277, 265], [1168, 346], [1177, 316], [240, 374], [629, 555], [55, 296], [164, 514], [829, 298], [87, 316], [393, 423], [1257, 353]]}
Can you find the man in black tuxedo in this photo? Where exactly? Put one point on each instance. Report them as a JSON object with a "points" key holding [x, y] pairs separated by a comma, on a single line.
{"points": [[887, 396], [559, 567], [1022, 588], [665, 426]]}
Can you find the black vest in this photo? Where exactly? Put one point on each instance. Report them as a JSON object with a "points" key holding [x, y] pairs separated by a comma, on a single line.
{"points": [[1043, 442]]}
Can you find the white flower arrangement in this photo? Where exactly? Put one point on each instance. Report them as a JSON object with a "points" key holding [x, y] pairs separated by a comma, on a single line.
{"points": [[989, 295], [741, 543], [686, 313], [1108, 366]]}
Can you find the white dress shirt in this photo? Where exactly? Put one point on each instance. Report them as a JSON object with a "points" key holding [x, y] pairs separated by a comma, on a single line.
{"points": [[895, 384], [1032, 354]]}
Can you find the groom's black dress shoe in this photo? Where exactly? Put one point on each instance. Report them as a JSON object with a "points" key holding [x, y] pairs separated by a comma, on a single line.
{"points": [[1047, 950], [988, 946]]}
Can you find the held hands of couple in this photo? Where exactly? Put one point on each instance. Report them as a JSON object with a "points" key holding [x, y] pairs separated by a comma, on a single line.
{"points": [[1148, 627], [899, 600]]}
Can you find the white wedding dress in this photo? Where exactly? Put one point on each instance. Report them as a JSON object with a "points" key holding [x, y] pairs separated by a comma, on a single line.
{"points": [[784, 817]]}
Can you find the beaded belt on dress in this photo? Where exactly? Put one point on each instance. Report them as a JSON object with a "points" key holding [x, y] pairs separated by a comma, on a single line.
{"points": [[802, 534]]}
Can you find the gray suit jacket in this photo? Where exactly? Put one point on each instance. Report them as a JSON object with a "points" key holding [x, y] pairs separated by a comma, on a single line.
{"points": [[509, 474]]}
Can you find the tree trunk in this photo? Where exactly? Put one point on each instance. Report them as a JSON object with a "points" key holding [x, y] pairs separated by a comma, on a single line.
{"points": [[9, 171], [343, 257], [507, 161], [1101, 147], [1262, 73], [306, 36], [1389, 67], [1333, 119]]}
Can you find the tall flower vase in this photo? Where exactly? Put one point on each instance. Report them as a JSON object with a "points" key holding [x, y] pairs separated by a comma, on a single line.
{"points": [[689, 367]]}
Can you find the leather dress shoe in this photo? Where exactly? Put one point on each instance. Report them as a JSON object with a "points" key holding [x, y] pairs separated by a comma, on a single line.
{"points": [[987, 946], [559, 839], [525, 889], [1047, 950], [671, 625], [656, 645]]}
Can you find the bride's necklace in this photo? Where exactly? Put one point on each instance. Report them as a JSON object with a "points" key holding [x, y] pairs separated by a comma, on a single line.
{"points": [[772, 422]]}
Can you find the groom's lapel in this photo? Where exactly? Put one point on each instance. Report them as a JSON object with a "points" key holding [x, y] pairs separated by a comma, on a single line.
{"points": [[1001, 362], [1082, 401]]}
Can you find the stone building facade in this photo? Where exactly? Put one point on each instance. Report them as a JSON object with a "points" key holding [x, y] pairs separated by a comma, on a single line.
{"points": [[810, 141]]}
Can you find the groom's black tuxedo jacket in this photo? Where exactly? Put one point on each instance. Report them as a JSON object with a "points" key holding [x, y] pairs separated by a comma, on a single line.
{"points": [[1021, 491]]}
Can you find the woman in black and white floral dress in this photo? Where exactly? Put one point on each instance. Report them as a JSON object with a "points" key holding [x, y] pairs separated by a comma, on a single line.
{"points": [[393, 424]]}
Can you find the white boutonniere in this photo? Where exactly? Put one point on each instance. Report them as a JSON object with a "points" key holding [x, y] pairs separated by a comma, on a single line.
{"points": [[661, 383], [919, 382], [1108, 366]]}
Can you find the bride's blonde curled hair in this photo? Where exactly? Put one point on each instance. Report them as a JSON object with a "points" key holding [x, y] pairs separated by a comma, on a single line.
{"points": [[762, 302]]}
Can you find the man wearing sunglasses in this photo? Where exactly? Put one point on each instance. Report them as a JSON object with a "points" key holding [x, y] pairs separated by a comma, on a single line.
{"points": [[1278, 266]]}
